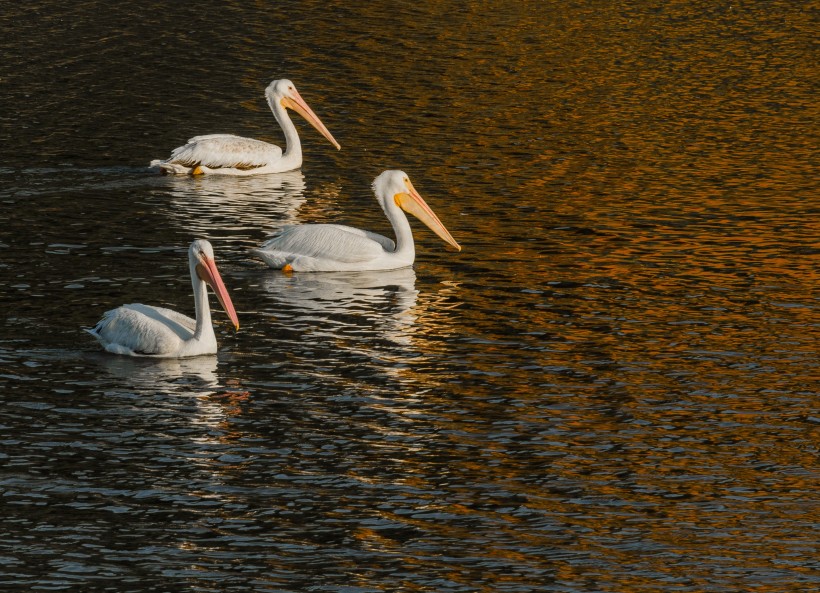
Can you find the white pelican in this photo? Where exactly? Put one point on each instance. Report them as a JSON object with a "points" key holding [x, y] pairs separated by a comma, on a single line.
{"points": [[226, 154], [143, 330], [334, 247]]}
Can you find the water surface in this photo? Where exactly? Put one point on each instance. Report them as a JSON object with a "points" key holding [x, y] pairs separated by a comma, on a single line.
{"points": [[611, 388]]}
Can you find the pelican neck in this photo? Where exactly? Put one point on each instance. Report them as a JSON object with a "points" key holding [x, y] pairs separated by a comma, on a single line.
{"points": [[201, 307], [293, 147], [405, 245]]}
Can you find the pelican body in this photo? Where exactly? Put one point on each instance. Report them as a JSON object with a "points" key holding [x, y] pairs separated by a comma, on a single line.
{"points": [[334, 247], [143, 330], [226, 154]]}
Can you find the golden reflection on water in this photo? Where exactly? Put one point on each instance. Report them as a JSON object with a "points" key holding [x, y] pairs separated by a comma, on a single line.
{"points": [[632, 187]]}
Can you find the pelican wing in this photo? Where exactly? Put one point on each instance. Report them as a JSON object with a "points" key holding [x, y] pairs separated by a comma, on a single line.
{"points": [[142, 329], [221, 151], [328, 241]]}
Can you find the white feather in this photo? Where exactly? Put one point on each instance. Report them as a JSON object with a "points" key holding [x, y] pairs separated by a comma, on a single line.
{"points": [[143, 330], [221, 151], [322, 242]]}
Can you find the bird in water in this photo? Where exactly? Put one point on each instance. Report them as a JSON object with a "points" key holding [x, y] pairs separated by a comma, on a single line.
{"points": [[143, 330], [334, 247], [227, 154]]}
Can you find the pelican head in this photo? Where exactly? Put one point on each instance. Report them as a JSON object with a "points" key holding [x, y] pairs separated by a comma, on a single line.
{"points": [[203, 266], [396, 186], [284, 92]]}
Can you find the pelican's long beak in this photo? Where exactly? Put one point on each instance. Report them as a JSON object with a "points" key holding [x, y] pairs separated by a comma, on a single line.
{"points": [[209, 274], [414, 204], [297, 103]]}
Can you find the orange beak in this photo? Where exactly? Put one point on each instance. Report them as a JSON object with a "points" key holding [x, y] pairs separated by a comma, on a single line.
{"points": [[412, 203], [210, 275], [297, 103]]}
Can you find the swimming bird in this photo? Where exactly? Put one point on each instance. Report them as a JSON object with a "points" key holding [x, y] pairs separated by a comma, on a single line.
{"points": [[333, 247], [227, 154], [143, 330]]}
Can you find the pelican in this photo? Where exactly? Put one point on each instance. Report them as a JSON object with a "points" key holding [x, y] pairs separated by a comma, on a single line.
{"points": [[143, 330], [334, 247], [226, 154]]}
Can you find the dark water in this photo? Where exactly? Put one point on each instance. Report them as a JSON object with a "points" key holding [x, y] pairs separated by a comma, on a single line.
{"points": [[612, 388]]}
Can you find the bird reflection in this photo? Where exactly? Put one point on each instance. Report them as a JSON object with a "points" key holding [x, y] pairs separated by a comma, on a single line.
{"points": [[193, 412], [179, 383], [245, 204], [384, 298], [191, 376]]}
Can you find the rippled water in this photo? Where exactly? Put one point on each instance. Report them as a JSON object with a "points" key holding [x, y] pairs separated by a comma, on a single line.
{"points": [[612, 387]]}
